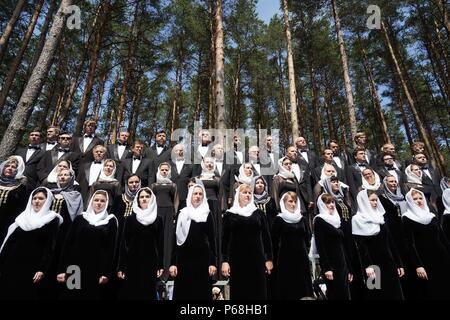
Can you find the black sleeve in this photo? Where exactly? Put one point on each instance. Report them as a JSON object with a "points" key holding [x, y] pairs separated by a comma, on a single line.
{"points": [[123, 246], [276, 234], [211, 239], [49, 247], [320, 237], [107, 252], [363, 252], [267, 242], [69, 242], [394, 249], [160, 242], [411, 243], [226, 235]]}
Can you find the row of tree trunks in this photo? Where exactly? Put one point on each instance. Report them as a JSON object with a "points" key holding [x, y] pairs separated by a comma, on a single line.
{"points": [[220, 69], [19, 55], [15, 130], [4, 39]]}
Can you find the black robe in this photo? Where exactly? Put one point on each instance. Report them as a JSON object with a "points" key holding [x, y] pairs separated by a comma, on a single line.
{"points": [[428, 248], [166, 198], [270, 209], [193, 259], [246, 246], [24, 254], [91, 248], [13, 201], [446, 226], [380, 250], [291, 263], [330, 242], [141, 255]]}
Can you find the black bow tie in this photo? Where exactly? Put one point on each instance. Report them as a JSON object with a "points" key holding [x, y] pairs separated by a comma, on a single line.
{"points": [[424, 168], [35, 147], [204, 144], [51, 142], [97, 161], [88, 136], [160, 146], [293, 161], [362, 164], [63, 150], [303, 150], [136, 158], [390, 168], [121, 144]]}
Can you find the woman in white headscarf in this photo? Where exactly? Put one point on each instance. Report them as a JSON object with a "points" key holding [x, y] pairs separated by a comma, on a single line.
{"points": [[89, 245], [167, 199], [330, 243], [429, 250], [107, 181], [141, 249], [67, 203], [284, 181], [377, 251], [13, 192], [27, 250], [246, 175], [246, 247], [290, 240], [194, 257], [370, 180], [52, 178]]}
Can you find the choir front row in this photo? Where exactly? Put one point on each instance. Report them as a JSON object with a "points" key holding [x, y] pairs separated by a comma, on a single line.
{"points": [[392, 248]]}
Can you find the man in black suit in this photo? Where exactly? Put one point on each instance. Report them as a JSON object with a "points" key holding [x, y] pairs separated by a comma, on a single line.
{"points": [[120, 150], [31, 156], [388, 149], [181, 172], [339, 157], [52, 138], [430, 177], [354, 171], [306, 156], [303, 176], [87, 142], [388, 168], [159, 152], [138, 165], [60, 152], [90, 171], [360, 139]]}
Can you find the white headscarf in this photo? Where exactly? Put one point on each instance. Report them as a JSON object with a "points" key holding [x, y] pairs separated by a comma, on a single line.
{"points": [[283, 172], [286, 215], [103, 176], [367, 221], [242, 211], [242, 177], [367, 186], [20, 167], [208, 174], [334, 219], [414, 212], [323, 175], [446, 200], [396, 198], [160, 178], [199, 214], [30, 220], [53, 175], [412, 177], [145, 216], [100, 218]]}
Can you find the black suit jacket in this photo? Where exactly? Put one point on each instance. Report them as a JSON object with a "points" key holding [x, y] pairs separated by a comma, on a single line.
{"points": [[312, 162], [50, 158], [340, 173], [113, 153], [145, 171], [152, 154], [181, 178], [434, 182], [31, 171], [77, 146]]}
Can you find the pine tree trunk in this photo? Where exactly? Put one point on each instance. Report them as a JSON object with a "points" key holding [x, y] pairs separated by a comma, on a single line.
{"points": [[443, 10], [283, 101], [43, 34], [199, 91], [4, 39], [317, 123], [98, 100], [18, 56], [135, 110], [420, 125], [220, 71], [236, 119], [399, 103], [291, 73], [14, 132], [210, 120], [374, 93], [329, 109], [345, 70], [104, 12]]}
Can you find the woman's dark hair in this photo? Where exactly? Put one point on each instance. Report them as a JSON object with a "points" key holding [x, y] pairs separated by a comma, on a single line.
{"points": [[43, 190], [132, 175], [334, 178], [327, 198]]}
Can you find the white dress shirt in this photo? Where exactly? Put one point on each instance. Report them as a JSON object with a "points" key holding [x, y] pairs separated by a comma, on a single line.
{"points": [[94, 172]]}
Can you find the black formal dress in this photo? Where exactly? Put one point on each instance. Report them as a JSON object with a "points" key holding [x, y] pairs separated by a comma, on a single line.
{"points": [[13, 200]]}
